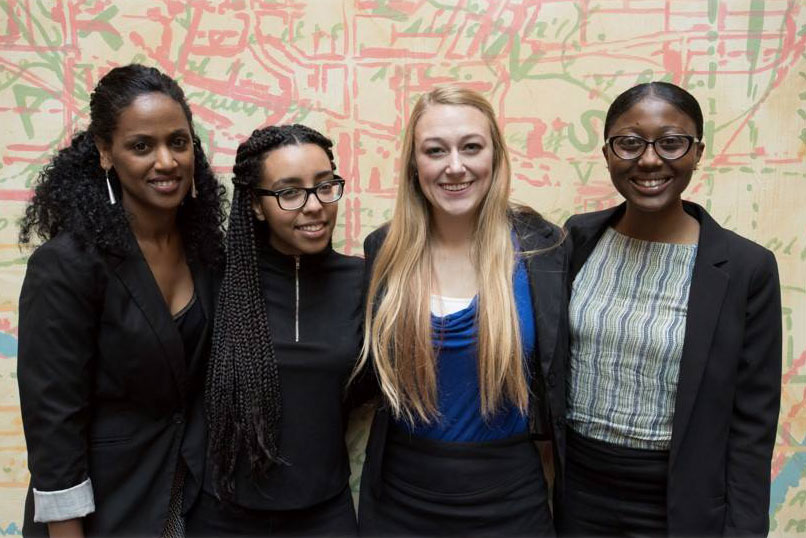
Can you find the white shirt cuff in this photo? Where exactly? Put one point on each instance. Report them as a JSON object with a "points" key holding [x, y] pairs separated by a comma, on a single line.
{"points": [[71, 503]]}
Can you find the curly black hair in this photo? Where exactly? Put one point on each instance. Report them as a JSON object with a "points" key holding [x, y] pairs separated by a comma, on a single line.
{"points": [[243, 401], [71, 195]]}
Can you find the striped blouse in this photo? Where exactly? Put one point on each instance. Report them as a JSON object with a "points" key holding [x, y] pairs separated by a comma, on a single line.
{"points": [[628, 319]]}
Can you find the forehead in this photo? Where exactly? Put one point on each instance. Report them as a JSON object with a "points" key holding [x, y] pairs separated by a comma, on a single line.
{"points": [[301, 162], [651, 114], [449, 121], [153, 114]]}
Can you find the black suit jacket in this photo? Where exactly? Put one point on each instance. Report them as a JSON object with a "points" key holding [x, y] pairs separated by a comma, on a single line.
{"points": [[547, 267], [105, 388], [729, 388]]}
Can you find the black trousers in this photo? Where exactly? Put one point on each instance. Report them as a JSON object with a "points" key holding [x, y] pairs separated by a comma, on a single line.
{"points": [[612, 490], [431, 488], [333, 517]]}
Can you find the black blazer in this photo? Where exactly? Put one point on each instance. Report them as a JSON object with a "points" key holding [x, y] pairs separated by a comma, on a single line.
{"points": [[105, 388], [548, 273], [729, 388]]}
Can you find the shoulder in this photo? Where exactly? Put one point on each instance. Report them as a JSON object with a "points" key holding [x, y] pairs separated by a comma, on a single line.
{"points": [[533, 231], [744, 254], [346, 263], [741, 251], [67, 255], [62, 268]]}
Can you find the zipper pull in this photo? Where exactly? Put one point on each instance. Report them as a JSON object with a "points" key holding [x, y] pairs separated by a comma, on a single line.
{"points": [[296, 299]]}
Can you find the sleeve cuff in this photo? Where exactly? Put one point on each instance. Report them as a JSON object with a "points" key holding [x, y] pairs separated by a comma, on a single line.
{"points": [[70, 503]]}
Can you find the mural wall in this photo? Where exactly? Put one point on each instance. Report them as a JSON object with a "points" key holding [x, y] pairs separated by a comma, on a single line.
{"points": [[352, 68]]}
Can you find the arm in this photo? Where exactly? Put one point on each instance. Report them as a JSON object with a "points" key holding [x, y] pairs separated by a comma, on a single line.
{"points": [[756, 406], [364, 385], [58, 333], [70, 528]]}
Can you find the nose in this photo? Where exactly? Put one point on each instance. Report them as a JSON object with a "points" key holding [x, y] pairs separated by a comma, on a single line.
{"points": [[455, 164], [164, 159], [312, 204], [650, 158]]}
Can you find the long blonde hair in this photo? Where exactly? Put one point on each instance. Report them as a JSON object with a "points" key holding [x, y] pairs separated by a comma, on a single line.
{"points": [[398, 334]]}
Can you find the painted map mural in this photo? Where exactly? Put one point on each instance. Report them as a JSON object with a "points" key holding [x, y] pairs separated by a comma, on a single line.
{"points": [[352, 68]]}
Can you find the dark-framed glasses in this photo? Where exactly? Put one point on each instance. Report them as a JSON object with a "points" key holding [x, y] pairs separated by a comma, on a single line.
{"points": [[293, 198], [669, 147]]}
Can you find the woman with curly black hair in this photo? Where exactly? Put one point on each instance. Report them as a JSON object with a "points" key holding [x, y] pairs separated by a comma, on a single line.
{"points": [[114, 315], [286, 337]]}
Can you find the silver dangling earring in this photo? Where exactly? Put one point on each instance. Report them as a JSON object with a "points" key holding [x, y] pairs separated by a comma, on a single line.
{"points": [[193, 191], [112, 200]]}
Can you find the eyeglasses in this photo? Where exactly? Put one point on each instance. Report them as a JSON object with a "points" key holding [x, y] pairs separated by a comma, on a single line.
{"points": [[669, 147], [293, 198]]}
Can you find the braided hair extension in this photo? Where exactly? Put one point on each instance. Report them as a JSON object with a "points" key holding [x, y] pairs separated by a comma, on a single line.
{"points": [[70, 193], [243, 399]]}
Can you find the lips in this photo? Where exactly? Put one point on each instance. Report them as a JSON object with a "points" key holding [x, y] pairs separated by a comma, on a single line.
{"points": [[312, 227], [455, 187], [165, 185], [650, 184]]}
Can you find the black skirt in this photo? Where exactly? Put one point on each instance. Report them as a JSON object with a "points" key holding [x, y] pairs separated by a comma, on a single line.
{"points": [[611, 490], [433, 488], [333, 517]]}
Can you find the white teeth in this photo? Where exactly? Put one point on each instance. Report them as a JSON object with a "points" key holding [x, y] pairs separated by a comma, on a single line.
{"points": [[166, 183], [651, 183], [453, 187], [311, 227]]}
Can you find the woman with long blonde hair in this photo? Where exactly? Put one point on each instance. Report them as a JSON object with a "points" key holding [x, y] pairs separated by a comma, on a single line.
{"points": [[466, 335]]}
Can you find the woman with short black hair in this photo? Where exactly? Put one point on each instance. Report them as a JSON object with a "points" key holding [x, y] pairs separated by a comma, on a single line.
{"points": [[675, 364]]}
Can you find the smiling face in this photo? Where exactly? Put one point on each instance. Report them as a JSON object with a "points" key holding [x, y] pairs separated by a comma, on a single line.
{"points": [[151, 152], [453, 154], [649, 183], [306, 230]]}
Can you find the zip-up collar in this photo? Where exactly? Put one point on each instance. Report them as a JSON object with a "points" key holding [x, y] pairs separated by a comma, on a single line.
{"points": [[296, 298], [294, 265]]}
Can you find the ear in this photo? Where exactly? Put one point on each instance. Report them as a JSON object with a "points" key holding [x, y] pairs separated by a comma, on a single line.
{"points": [[700, 149], [604, 152], [257, 209], [105, 150]]}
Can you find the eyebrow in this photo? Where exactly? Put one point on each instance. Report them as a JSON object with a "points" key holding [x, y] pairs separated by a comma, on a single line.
{"points": [[294, 180], [441, 140], [135, 135]]}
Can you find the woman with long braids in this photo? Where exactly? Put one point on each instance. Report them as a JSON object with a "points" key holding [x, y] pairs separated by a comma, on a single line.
{"points": [[466, 333], [114, 314], [286, 337]]}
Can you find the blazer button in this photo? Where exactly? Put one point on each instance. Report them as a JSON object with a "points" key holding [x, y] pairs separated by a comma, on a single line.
{"points": [[552, 379], [178, 418]]}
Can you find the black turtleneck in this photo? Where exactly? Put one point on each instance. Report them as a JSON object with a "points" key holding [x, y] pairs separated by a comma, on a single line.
{"points": [[317, 340]]}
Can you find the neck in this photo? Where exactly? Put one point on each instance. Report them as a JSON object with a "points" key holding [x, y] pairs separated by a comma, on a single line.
{"points": [[452, 233], [158, 228], [669, 225]]}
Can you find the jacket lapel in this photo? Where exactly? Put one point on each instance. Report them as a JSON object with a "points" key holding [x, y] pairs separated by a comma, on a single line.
{"points": [[205, 293], [709, 283], [586, 237], [136, 276]]}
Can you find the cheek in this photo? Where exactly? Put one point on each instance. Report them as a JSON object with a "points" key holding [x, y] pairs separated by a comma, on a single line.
{"points": [[130, 168], [332, 211], [426, 169], [276, 218], [190, 163]]}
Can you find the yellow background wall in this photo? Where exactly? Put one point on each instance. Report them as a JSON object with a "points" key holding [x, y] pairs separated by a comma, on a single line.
{"points": [[352, 69]]}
